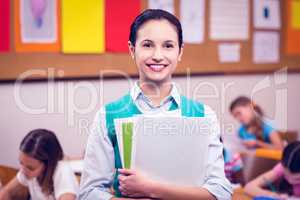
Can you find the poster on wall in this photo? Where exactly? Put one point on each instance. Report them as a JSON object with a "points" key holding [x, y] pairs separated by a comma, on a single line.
{"points": [[266, 14], [83, 26], [266, 47], [192, 15], [229, 20], [4, 25], [118, 17], [37, 25], [167, 5]]}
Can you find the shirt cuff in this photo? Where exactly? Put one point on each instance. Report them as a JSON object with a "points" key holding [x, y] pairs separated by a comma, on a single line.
{"points": [[220, 192]]}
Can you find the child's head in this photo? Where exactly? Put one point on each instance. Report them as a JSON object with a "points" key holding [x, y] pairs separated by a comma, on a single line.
{"points": [[155, 43], [291, 162], [40, 152], [244, 110]]}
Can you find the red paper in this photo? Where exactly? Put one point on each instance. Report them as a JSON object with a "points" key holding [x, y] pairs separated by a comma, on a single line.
{"points": [[4, 25], [118, 17]]}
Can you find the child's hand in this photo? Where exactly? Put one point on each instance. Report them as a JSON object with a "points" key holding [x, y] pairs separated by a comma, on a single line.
{"points": [[133, 184], [250, 143]]}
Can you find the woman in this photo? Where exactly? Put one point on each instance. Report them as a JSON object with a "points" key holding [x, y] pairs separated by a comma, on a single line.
{"points": [[155, 44], [43, 174]]}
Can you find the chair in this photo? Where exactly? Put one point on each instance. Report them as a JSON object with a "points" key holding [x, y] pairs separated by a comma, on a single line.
{"points": [[7, 173], [288, 136]]}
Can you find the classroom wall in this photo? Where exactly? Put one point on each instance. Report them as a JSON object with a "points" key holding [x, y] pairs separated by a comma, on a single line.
{"points": [[68, 107]]}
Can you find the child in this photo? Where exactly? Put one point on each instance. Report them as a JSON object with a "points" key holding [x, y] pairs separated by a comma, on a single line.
{"points": [[287, 173], [254, 131], [43, 174], [155, 44]]}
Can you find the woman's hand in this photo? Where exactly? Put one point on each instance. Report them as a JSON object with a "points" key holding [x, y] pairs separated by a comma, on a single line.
{"points": [[134, 184]]}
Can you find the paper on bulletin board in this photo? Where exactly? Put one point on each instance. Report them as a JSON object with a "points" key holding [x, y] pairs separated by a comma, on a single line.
{"points": [[295, 14], [118, 18], [229, 20], [292, 39], [229, 52], [266, 47], [266, 14], [83, 26], [37, 26], [167, 5], [4, 25], [192, 19]]}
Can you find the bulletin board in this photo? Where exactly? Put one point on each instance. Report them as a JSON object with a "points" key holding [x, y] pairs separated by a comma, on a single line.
{"points": [[197, 58]]}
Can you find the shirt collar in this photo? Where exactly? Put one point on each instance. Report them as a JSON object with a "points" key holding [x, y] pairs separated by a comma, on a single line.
{"points": [[136, 92]]}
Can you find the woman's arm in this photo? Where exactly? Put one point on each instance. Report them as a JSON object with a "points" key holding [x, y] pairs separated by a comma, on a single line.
{"points": [[12, 189], [255, 187], [98, 170], [170, 192], [276, 142]]}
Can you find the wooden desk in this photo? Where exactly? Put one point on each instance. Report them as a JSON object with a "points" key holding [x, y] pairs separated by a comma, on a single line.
{"points": [[239, 194], [7, 173], [268, 153]]}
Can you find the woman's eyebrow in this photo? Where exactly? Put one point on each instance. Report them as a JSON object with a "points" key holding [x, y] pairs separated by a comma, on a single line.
{"points": [[147, 40], [170, 41]]}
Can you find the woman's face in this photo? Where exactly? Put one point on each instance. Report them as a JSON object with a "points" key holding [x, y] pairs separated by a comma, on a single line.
{"points": [[292, 178], [156, 51], [244, 114], [29, 166]]}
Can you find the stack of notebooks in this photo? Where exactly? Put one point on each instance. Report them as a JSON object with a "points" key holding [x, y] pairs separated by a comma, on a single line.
{"points": [[169, 149]]}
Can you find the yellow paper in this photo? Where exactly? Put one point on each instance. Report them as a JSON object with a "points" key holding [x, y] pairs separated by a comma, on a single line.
{"points": [[295, 14], [83, 26]]}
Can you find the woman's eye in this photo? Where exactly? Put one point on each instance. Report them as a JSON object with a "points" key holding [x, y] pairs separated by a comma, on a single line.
{"points": [[168, 46], [147, 45]]}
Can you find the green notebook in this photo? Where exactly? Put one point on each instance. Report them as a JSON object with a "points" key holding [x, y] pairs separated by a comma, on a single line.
{"points": [[127, 129]]}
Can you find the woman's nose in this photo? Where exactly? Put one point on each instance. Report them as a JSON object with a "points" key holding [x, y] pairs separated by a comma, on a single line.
{"points": [[157, 55]]}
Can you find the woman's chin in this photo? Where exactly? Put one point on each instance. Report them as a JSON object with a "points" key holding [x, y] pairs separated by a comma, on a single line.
{"points": [[157, 78]]}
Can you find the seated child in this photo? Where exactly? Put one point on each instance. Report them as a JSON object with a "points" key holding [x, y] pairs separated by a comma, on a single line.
{"points": [[254, 131], [286, 174], [43, 174]]}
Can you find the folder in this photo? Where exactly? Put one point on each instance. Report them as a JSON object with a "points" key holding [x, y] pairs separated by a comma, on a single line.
{"points": [[167, 149]]}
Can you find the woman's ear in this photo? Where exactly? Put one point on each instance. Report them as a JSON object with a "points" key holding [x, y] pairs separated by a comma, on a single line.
{"points": [[131, 49], [180, 53]]}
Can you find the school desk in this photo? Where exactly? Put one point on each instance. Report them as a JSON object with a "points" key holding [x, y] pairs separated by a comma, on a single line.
{"points": [[239, 194], [268, 153]]}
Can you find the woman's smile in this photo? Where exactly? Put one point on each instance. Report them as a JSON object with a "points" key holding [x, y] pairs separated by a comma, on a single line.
{"points": [[157, 67]]}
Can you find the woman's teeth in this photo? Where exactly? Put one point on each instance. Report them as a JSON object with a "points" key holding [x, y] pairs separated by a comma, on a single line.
{"points": [[157, 68]]}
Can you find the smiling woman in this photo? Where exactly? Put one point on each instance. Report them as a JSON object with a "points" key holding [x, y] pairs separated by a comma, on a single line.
{"points": [[155, 45]]}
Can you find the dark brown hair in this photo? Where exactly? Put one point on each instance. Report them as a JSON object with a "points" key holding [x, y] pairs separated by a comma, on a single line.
{"points": [[154, 14], [43, 145], [256, 123], [290, 160]]}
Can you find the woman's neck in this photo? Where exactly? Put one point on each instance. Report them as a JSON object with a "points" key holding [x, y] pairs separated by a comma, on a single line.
{"points": [[156, 92]]}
